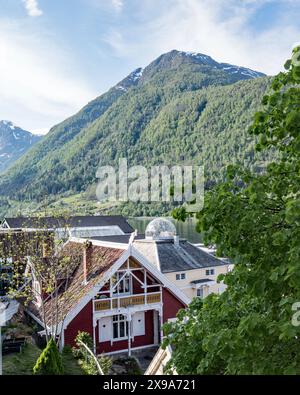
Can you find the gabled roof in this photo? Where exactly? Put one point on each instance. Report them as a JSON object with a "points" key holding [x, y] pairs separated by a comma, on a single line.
{"points": [[72, 222], [102, 258], [106, 260], [172, 257]]}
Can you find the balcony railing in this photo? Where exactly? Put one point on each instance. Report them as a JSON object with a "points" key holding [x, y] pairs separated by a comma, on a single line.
{"points": [[126, 301]]}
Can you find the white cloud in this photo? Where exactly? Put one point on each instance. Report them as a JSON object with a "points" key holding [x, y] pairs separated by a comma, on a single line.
{"points": [[223, 29], [32, 7], [116, 41], [117, 4], [39, 84], [42, 131]]}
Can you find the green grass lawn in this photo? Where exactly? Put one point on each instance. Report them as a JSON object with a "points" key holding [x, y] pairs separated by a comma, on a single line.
{"points": [[23, 363], [71, 365]]}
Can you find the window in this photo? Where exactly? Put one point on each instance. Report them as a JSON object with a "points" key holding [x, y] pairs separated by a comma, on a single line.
{"points": [[210, 272], [180, 276], [200, 292], [124, 286], [120, 327]]}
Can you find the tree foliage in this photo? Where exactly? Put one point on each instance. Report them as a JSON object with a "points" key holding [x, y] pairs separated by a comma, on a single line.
{"points": [[50, 361], [34, 269], [255, 220]]}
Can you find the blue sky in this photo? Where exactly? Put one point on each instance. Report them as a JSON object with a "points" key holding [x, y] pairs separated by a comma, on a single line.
{"points": [[56, 55]]}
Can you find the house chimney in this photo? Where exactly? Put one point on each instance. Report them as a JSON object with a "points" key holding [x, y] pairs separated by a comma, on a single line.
{"points": [[87, 260], [176, 241], [132, 237]]}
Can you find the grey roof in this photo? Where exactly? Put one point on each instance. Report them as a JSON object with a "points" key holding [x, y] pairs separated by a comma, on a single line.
{"points": [[184, 257], [124, 239], [203, 280], [172, 257], [77, 221]]}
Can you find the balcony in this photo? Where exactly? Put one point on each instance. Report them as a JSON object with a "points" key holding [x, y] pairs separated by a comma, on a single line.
{"points": [[126, 301]]}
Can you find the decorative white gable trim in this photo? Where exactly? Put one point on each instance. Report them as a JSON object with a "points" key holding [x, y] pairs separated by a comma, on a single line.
{"points": [[160, 276], [129, 252], [93, 292], [5, 225]]}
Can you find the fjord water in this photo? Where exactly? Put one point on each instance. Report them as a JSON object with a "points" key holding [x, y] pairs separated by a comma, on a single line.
{"points": [[185, 230]]}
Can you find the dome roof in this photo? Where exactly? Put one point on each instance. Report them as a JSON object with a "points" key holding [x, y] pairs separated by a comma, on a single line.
{"points": [[160, 228]]}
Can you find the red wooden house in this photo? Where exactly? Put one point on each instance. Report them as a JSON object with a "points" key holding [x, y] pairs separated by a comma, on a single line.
{"points": [[116, 295]]}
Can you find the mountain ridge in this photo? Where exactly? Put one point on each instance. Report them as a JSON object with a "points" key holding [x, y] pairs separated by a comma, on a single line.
{"points": [[14, 142], [170, 99]]}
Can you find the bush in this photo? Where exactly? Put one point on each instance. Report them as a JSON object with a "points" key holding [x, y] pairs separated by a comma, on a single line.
{"points": [[79, 351], [50, 361], [105, 363], [88, 363]]}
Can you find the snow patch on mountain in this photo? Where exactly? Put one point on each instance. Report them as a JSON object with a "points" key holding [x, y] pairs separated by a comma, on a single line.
{"points": [[241, 70], [244, 72], [197, 55], [136, 74], [130, 81], [121, 88], [14, 141]]}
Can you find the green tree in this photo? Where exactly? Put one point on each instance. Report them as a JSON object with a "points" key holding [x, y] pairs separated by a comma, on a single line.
{"points": [[50, 361], [254, 220], [35, 268]]}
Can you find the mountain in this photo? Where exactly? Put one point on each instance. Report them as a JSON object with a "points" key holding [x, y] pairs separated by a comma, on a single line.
{"points": [[182, 108], [14, 142]]}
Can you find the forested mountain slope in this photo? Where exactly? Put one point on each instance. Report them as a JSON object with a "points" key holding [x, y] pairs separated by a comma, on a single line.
{"points": [[182, 108], [14, 142]]}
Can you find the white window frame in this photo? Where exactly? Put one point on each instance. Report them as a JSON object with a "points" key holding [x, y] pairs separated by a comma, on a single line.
{"points": [[200, 290], [116, 319], [180, 276], [210, 272], [116, 291]]}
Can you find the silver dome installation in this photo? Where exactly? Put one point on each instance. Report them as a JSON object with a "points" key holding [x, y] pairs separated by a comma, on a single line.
{"points": [[160, 228]]}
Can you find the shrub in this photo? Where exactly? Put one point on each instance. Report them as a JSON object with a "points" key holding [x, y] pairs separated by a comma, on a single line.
{"points": [[105, 363], [79, 351], [50, 361]]}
